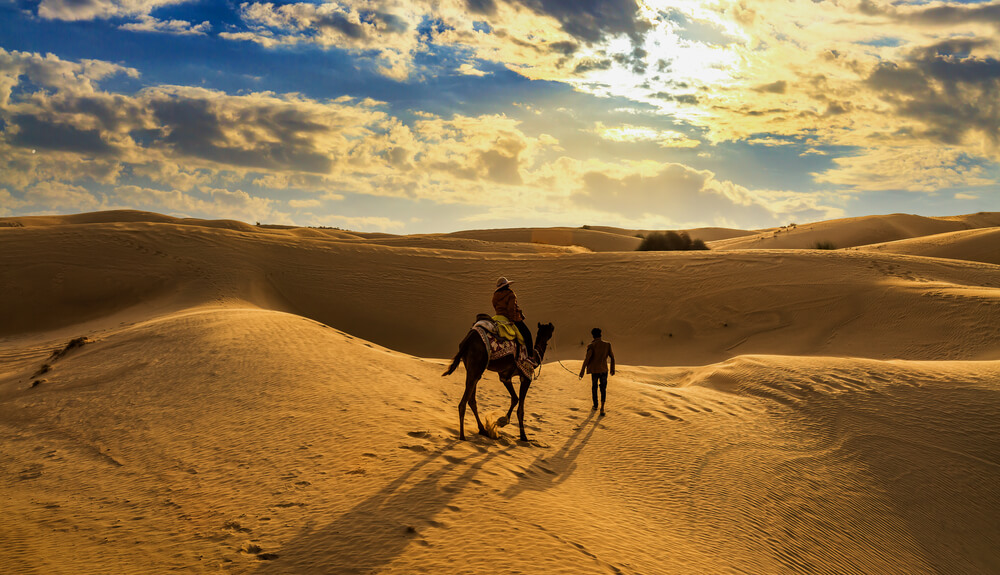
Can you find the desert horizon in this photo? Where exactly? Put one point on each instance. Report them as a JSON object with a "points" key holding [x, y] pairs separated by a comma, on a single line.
{"points": [[216, 395]]}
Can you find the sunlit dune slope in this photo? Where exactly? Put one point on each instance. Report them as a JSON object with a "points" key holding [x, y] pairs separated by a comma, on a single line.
{"points": [[254, 441], [659, 308], [850, 232], [978, 245], [596, 241]]}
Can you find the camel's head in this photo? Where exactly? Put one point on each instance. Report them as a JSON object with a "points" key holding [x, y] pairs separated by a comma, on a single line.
{"points": [[544, 332]]}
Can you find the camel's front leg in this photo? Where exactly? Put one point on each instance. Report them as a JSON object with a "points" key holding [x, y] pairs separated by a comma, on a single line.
{"points": [[525, 384], [513, 402]]}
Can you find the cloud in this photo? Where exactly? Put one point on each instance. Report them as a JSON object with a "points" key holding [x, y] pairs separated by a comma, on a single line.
{"points": [[208, 202], [925, 169], [65, 127], [180, 27], [299, 204], [632, 133], [54, 197], [961, 196], [93, 9], [947, 92], [940, 14], [675, 195], [9, 203]]}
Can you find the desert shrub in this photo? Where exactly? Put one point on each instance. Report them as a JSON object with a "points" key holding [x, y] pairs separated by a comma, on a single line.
{"points": [[670, 241], [585, 227], [824, 246]]}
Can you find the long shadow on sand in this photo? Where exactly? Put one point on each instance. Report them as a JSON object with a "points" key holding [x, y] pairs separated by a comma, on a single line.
{"points": [[545, 472], [381, 527]]}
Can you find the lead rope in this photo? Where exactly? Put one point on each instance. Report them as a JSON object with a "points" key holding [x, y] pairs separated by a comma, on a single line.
{"points": [[559, 361]]}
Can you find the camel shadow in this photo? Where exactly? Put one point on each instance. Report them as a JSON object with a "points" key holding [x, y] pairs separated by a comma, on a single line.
{"points": [[379, 529], [546, 472]]}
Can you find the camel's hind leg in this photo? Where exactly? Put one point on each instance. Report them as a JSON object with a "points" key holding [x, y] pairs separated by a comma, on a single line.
{"points": [[513, 401], [475, 410], [472, 377]]}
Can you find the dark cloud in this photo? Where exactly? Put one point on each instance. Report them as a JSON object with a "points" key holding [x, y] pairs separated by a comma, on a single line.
{"points": [[949, 14], [593, 20], [564, 48], [195, 128], [502, 162], [486, 7], [689, 99], [111, 112], [590, 64], [938, 15], [34, 132], [779, 87], [339, 23], [945, 88]]}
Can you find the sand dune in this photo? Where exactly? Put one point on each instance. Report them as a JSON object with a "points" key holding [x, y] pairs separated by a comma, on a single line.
{"points": [[977, 245], [661, 308], [252, 440], [595, 241], [268, 400], [850, 232], [703, 234]]}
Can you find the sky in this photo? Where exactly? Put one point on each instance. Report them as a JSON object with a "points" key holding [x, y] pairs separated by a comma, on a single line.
{"points": [[441, 115]]}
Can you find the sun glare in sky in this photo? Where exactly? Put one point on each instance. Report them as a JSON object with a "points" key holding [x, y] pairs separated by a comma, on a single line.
{"points": [[422, 116]]}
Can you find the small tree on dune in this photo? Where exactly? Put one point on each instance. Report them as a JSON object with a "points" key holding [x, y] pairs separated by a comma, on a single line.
{"points": [[670, 241]]}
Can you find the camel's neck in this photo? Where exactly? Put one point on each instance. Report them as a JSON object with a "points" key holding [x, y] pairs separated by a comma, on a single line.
{"points": [[540, 348]]}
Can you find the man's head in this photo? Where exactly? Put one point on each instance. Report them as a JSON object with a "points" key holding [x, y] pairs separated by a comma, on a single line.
{"points": [[596, 332]]}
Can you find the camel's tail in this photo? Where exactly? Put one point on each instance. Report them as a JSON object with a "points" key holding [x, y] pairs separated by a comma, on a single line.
{"points": [[462, 348]]}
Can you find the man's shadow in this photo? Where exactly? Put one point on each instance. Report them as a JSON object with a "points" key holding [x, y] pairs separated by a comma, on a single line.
{"points": [[545, 472], [379, 529]]}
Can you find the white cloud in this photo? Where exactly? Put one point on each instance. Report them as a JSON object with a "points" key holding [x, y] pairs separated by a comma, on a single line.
{"points": [[299, 204], [961, 196], [91, 9], [180, 27], [633, 133]]}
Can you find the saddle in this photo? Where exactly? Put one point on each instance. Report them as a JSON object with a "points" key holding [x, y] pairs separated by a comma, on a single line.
{"points": [[503, 339]]}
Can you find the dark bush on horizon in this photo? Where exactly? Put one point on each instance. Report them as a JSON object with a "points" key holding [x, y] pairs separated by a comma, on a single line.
{"points": [[670, 241]]}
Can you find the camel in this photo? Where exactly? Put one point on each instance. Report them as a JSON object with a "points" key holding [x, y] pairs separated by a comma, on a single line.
{"points": [[473, 353]]}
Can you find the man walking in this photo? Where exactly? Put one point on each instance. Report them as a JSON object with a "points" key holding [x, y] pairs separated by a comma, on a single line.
{"points": [[596, 364]]}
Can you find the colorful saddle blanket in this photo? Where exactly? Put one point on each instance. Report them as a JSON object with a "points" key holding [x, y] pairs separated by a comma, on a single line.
{"points": [[495, 333]]}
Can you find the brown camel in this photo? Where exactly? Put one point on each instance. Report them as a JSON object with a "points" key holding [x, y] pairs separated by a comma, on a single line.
{"points": [[473, 353]]}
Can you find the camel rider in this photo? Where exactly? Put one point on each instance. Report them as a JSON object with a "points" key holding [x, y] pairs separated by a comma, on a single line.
{"points": [[505, 304]]}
